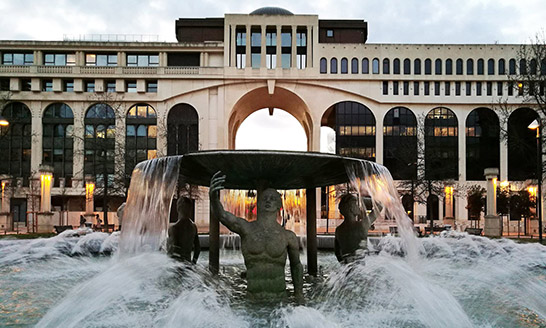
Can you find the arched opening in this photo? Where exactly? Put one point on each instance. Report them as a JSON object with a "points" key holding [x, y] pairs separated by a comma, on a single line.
{"points": [[482, 142], [261, 99], [522, 149], [441, 145], [400, 143], [140, 137], [182, 130], [57, 141], [16, 145]]}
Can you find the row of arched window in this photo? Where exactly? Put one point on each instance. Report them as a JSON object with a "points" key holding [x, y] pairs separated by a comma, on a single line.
{"points": [[99, 139], [428, 67], [355, 126]]}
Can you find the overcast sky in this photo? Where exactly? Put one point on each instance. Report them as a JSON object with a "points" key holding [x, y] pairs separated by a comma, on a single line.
{"points": [[389, 21]]}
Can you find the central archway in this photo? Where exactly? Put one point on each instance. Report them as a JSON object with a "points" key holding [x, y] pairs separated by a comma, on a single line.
{"points": [[260, 98]]}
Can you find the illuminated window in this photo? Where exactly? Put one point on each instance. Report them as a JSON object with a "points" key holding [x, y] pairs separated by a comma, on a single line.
{"points": [[102, 60], [441, 144], [57, 141], [99, 143], [16, 144], [9, 58], [60, 59], [400, 143], [142, 60], [141, 137]]}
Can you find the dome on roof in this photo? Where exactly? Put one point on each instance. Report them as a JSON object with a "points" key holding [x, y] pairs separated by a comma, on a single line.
{"points": [[271, 11]]}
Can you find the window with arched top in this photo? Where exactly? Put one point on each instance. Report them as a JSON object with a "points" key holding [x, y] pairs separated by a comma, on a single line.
{"points": [[355, 130], [365, 66], [502, 66], [354, 66], [182, 130], [491, 66], [386, 66], [400, 143], [58, 141], [428, 66], [407, 66], [482, 142], [16, 144], [140, 137], [449, 66], [396, 66], [323, 64], [512, 66], [441, 144], [480, 66], [543, 66], [459, 67], [99, 144], [438, 66], [523, 67], [417, 66], [469, 67], [522, 145], [344, 66], [533, 67], [375, 66], [333, 66]]}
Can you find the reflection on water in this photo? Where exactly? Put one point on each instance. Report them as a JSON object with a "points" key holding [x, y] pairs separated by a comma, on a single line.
{"points": [[461, 281]]}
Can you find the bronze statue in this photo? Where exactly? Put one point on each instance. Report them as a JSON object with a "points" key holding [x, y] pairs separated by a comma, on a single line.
{"points": [[352, 235], [265, 244], [183, 237]]}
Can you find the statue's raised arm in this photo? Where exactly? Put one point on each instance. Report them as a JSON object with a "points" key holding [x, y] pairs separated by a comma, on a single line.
{"points": [[232, 222]]}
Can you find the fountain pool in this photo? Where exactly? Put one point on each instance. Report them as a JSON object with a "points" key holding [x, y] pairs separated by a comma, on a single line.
{"points": [[459, 281]]}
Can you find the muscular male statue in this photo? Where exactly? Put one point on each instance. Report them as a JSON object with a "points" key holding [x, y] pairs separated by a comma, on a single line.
{"points": [[183, 236], [352, 235], [265, 243]]}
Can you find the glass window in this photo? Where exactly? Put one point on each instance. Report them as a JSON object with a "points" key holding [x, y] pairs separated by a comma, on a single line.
{"points": [[512, 67], [344, 66], [400, 143], [17, 58], [428, 66], [491, 67], [15, 145], [110, 86], [441, 144], [131, 86], [478, 88], [60, 59], [142, 60], [407, 66], [457, 88], [468, 88], [355, 130], [415, 88], [395, 88], [68, 85], [417, 66], [323, 68], [365, 66], [480, 67], [47, 85], [385, 87], [354, 66], [469, 67], [103, 60], [459, 66], [447, 86], [90, 86], [333, 65], [330, 33], [427, 88], [386, 66], [449, 66], [151, 86], [438, 66], [502, 67], [396, 66], [499, 88], [406, 88], [375, 66]]}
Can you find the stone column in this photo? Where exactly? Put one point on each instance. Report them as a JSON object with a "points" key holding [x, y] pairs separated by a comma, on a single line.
{"points": [[379, 141], [293, 49], [504, 154], [262, 47], [247, 48], [462, 149], [279, 49], [493, 223], [309, 45]]}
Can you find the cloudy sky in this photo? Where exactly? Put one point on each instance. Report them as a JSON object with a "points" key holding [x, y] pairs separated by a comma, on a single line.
{"points": [[389, 21]]}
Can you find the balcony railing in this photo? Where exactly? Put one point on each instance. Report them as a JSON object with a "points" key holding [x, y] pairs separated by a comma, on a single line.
{"points": [[111, 70], [14, 69]]}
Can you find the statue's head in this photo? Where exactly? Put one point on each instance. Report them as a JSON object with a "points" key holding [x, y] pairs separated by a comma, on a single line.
{"points": [[269, 200], [348, 205], [184, 206]]}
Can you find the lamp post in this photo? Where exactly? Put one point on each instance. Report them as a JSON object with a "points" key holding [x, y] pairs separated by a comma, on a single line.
{"points": [[535, 125]]}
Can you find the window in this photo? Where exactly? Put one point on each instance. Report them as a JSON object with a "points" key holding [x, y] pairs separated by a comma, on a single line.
{"points": [[441, 144], [57, 140], [355, 130], [512, 67], [140, 137], [400, 143], [110, 86], [323, 68], [109, 60], [68, 85], [17, 58], [333, 66], [26, 84], [417, 66], [47, 85], [436, 88], [499, 88], [406, 88], [459, 66], [396, 66], [271, 49], [480, 66], [449, 66], [427, 88], [428, 66], [468, 89], [375, 66], [447, 86], [489, 88], [329, 33], [89, 85], [395, 88], [386, 66], [240, 48], [510, 88], [16, 145], [182, 130], [344, 66], [365, 66], [354, 66], [143, 60], [478, 88], [286, 48], [131, 86], [301, 49], [256, 49], [502, 67], [491, 67], [522, 147], [457, 88], [533, 67], [407, 66], [523, 67], [4, 84], [151, 86], [385, 87], [438, 66], [60, 59], [470, 67], [415, 88]]}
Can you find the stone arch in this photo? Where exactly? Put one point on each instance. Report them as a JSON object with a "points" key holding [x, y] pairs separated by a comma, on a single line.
{"points": [[182, 129], [260, 98]]}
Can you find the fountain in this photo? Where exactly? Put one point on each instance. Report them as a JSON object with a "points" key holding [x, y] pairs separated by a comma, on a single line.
{"points": [[456, 280]]}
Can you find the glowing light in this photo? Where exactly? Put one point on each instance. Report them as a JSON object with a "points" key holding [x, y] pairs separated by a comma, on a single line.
{"points": [[505, 184], [45, 182], [532, 191], [449, 191], [534, 125]]}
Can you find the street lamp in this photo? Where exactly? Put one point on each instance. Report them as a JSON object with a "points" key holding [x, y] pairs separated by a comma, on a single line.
{"points": [[3, 121], [535, 125]]}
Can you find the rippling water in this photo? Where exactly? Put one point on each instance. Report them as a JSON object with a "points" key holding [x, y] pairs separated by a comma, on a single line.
{"points": [[457, 281]]}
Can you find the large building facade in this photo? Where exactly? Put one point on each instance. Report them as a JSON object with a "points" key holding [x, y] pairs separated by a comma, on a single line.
{"points": [[89, 111]]}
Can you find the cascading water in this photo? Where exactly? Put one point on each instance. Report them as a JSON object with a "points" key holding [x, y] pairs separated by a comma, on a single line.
{"points": [[456, 280]]}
